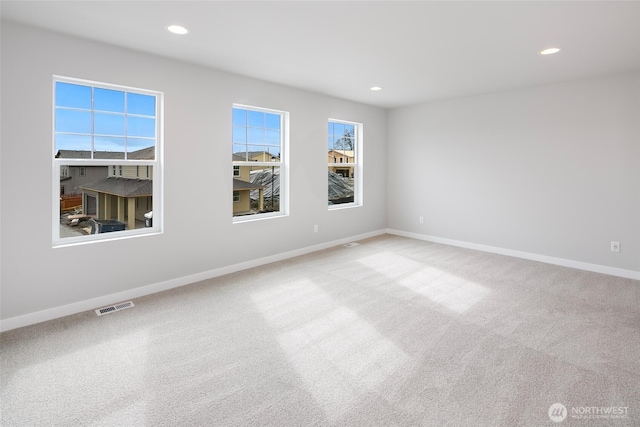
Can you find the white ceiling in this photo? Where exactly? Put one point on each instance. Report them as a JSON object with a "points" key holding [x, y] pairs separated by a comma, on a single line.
{"points": [[417, 51]]}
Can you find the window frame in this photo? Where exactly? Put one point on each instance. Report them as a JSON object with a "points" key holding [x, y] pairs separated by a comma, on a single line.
{"points": [[283, 165], [157, 175], [357, 164]]}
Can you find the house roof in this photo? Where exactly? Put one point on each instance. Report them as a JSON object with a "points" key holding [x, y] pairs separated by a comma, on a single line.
{"points": [[338, 187], [142, 154], [244, 185], [86, 154], [269, 181], [240, 156], [122, 187]]}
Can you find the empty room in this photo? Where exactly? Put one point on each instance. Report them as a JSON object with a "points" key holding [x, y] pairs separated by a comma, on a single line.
{"points": [[320, 213]]}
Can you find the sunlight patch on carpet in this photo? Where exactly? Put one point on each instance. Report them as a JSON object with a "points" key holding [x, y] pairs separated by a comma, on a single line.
{"points": [[455, 293], [390, 264], [336, 353]]}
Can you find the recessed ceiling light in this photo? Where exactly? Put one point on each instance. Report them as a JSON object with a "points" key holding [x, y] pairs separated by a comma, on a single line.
{"points": [[374, 88], [177, 29], [550, 51]]}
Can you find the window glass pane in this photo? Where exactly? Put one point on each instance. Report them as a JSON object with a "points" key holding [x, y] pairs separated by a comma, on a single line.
{"points": [[100, 123], [341, 185], [239, 135], [274, 153], [273, 121], [141, 104], [141, 149], [256, 153], [75, 96], [255, 118], [73, 121], [261, 194], [239, 117], [108, 124], [255, 136], [342, 163], [74, 142], [344, 139], [94, 203], [141, 126], [272, 137], [108, 100], [109, 147], [239, 152]]}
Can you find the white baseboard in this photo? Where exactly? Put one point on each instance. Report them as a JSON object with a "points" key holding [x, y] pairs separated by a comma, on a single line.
{"points": [[612, 271], [93, 303]]}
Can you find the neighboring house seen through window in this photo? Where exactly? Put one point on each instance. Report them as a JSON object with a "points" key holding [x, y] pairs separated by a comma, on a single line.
{"points": [[259, 159], [103, 134], [344, 163]]}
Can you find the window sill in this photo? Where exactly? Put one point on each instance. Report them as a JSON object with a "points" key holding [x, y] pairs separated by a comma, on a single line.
{"points": [[344, 206], [258, 217], [104, 237]]}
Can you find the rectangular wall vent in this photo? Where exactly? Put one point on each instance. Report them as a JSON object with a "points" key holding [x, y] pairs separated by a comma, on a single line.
{"points": [[352, 244], [113, 308]]}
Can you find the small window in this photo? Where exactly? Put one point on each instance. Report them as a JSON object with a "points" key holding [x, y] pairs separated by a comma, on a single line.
{"points": [[344, 148], [106, 132], [259, 159]]}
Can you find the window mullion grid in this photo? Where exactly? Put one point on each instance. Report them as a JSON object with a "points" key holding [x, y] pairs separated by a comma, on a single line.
{"points": [[246, 136], [280, 150], [93, 145], [126, 125]]}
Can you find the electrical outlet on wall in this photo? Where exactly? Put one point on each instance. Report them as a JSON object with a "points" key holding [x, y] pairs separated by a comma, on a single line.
{"points": [[315, 228], [421, 220], [615, 246]]}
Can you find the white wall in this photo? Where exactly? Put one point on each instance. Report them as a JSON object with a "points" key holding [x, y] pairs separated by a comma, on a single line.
{"points": [[552, 170], [199, 235]]}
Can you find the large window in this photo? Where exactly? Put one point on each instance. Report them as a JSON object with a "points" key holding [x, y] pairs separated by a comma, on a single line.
{"points": [[344, 163], [103, 135], [259, 162]]}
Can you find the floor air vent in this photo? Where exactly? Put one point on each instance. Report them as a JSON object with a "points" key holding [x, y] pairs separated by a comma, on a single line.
{"points": [[352, 244], [112, 308]]}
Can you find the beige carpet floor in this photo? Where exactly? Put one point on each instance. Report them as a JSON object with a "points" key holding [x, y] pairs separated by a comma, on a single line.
{"points": [[392, 332]]}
